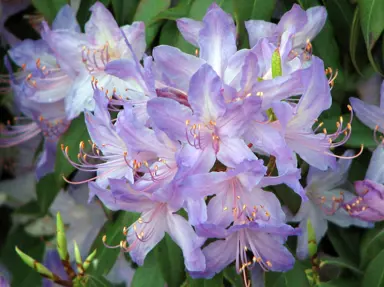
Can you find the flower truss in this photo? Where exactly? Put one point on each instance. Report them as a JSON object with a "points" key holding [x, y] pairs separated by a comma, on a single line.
{"points": [[209, 133]]}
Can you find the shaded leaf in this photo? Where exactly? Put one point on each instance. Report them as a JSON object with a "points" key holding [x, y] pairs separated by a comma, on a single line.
{"points": [[340, 13], [149, 274], [325, 47], [245, 10], [354, 40], [83, 14], [24, 276], [167, 34], [146, 11], [106, 257], [231, 275], [292, 278], [341, 282], [341, 263], [216, 281], [372, 25], [371, 244], [46, 188], [339, 242], [49, 8], [171, 261], [124, 10], [374, 274]]}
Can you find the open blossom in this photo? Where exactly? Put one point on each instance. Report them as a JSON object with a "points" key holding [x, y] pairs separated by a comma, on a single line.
{"points": [[189, 131], [326, 196], [304, 25], [369, 202], [156, 218], [40, 90], [371, 115], [256, 237], [85, 57]]}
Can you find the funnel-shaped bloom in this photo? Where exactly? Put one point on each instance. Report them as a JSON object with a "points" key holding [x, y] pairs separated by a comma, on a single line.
{"points": [[40, 91], [325, 199], [371, 115], [85, 56], [255, 238], [156, 218], [368, 205], [305, 25]]}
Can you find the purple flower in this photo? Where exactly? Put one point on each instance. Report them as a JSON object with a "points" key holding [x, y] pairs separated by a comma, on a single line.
{"points": [[325, 199], [303, 25], [86, 56], [368, 205], [3, 282], [371, 115], [40, 90], [210, 126], [53, 262], [156, 218], [254, 238], [110, 154]]}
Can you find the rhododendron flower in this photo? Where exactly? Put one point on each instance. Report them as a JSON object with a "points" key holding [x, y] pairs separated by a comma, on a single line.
{"points": [[156, 218], [85, 57], [326, 196], [40, 90], [304, 26], [368, 204]]}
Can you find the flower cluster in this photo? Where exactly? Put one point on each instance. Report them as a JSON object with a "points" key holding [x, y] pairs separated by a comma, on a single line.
{"points": [[209, 134]]}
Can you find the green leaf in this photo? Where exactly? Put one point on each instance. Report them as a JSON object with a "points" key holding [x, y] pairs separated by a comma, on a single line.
{"points": [[341, 282], [371, 244], [372, 25], [49, 8], [76, 133], [149, 274], [231, 276], [124, 10], [216, 281], [288, 197], [292, 278], [341, 263], [374, 275], [146, 11], [83, 14], [23, 276], [341, 239], [354, 40], [263, 10], [174, 13], [113, 231], [340, 13], [245, 10], [325, 47], [361, 134], [171, 262], [46, 189], [167, 34]]}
